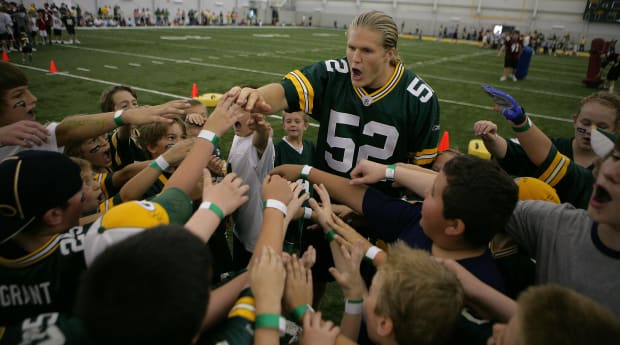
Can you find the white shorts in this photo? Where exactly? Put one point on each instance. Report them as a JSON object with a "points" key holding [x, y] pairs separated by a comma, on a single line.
{"points": [[42, 33]]}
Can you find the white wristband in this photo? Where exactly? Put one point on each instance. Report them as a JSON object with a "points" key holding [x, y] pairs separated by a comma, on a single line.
{"points": [[277, 204], [307, 213], [305, 171], [372, 252], [389, 172], [162, 162], [208, 136], [353, 307]]}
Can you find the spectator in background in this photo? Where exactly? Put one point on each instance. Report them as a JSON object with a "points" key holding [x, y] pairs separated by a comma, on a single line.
{"points": [[514, 48]]}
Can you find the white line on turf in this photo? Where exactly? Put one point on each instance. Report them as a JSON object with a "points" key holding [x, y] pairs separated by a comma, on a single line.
{"points": [[177, 61], [502, 86], [110, 66], [68, 75], [83, 69], [157, 62], [280, 74], [135, 64]]}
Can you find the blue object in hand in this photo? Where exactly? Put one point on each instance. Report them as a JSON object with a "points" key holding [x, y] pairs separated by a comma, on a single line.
{"points": [[506, 105]]}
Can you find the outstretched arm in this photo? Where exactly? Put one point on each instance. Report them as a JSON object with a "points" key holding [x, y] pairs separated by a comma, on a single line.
{"points": [[533, 141], [81, 127], [481, 296], [414, 178], [487, 131], [220, 121], [266, 99]]}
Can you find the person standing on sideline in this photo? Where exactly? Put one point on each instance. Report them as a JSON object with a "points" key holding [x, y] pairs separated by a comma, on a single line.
{"points": [[514, 48]]}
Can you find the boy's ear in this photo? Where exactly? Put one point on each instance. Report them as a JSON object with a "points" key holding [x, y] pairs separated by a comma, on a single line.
{"points": [[53, 216], [151, 149], [385, 327], [454, 227]]}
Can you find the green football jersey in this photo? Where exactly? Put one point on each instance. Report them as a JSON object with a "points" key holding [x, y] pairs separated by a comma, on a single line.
{"points": [[398, 122], [45, 329], [572, 182], [47, 278], [44, 280], [286, 154]]}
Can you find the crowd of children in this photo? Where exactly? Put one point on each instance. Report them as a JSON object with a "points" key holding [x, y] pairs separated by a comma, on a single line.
{"points": [[113, 226]]}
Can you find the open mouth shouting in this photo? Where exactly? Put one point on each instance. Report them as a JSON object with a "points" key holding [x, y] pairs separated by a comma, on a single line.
{"points": [[600, 196]]}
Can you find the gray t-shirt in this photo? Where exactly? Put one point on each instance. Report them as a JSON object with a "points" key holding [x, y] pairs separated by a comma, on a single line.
{"points": [[568, 251], [244, 161], [5, 23]]}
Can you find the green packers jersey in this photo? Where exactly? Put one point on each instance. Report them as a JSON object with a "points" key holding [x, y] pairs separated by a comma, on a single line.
{"points": [[47, 278], [43, 280], [238, 329], [573, 183], [517, 163], [45, 329], [286, 154], [398, 122]]}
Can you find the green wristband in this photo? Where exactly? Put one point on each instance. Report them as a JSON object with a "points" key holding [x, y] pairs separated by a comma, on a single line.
{"points": [[523, 128], [300, 310], [214, 208], [118, 119], [330, 235], [267, 321]]}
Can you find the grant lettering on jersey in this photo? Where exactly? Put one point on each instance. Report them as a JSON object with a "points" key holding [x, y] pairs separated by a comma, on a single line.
{"points": [[19, 295]]}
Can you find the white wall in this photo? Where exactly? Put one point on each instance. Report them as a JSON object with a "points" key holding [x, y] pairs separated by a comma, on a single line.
{"points": [[559, 16]]}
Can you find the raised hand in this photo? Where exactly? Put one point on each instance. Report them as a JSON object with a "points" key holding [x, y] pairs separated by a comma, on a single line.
{"points": [[506, 105], [323, 211], [267, 277], [367, 172], [298, 289], [157, 113], [228, 194], [225, 114], [25, 133], [487, 130], [252, 100], [299, 196], [275, 187], [317, 331], [347, 271], [178, 151]]}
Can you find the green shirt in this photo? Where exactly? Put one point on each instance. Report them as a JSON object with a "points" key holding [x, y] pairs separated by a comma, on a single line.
{"points": [[398, 122], [47, 279]]}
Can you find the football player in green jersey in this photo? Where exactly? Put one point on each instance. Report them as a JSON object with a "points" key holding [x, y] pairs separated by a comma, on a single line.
{"points": [[369, 105]]}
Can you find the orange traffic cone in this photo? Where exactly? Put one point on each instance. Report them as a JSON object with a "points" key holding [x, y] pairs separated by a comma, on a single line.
{"points": [[444, 143], [5, 56], [194, 90], [53, 67]]}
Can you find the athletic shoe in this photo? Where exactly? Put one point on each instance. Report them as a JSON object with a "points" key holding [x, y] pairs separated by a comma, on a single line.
{"points": [[502, 78], [514, 78]]}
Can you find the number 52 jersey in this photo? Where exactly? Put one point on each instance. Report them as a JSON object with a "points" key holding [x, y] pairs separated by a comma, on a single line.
{"points": [[398, 122]]}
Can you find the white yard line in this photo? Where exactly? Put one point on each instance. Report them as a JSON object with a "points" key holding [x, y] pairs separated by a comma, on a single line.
{"points": [[171, 95], [178, 61]]}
